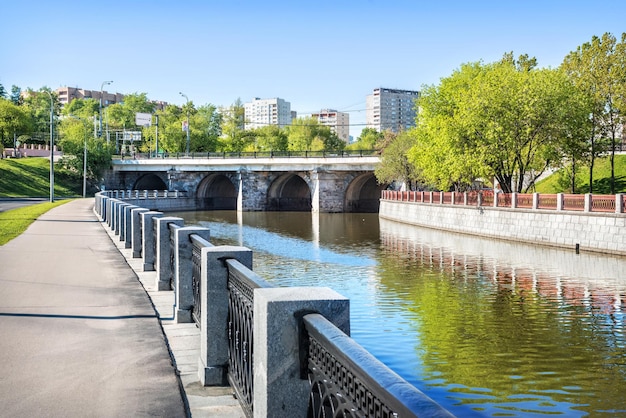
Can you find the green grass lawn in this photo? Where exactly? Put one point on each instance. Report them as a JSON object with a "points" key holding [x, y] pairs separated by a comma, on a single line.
{"points": [[30, 177], [15, 221], [556, 183]]}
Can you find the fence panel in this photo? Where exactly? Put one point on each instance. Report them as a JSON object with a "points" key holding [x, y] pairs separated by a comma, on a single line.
{"points": [[241, 285], [574, 202], [547, 201], [347, 381], [602, 203], [525, 201]]}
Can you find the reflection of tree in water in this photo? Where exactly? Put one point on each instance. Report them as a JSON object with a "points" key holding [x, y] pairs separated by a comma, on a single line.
{"points": [[492, 330]]}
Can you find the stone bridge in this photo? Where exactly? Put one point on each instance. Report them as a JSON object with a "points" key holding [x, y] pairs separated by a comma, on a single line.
{"points": [[318, 184]]}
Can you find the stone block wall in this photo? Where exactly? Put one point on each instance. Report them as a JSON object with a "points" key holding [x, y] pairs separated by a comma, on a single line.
{"points": [[599, 232]]}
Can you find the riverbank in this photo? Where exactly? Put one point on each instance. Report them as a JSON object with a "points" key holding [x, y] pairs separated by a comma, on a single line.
{"points": [[578, 231]]}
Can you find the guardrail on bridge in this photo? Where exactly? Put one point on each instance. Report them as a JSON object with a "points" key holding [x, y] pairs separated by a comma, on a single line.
{"points": [[286, 351]]}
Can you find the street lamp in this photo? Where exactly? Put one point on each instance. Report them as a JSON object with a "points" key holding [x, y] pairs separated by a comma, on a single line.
{"points": [[51, 146], [187, 98], [100, 107], [86, 125]]}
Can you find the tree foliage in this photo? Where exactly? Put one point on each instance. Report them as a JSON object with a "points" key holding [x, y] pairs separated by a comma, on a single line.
{"points": [[308, 134], [14, 120], [395, 165], [369, 139], [76, 135], [493, 121], [598, 68]]}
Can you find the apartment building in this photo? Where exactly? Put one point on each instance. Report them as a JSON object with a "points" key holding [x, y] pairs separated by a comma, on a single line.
{"points": [[67, 94], [390, 109], [263, 112], [339, 122]]}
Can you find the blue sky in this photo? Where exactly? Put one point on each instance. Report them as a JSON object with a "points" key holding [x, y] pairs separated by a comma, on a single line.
{"points": [[313, 54]]}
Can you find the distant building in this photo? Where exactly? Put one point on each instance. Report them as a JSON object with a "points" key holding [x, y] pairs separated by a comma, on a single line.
{"points": [[67, 94], [264, 112], [390, 109], [339, 122]]}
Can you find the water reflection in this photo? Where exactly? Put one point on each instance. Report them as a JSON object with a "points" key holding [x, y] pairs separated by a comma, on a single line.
{"points": [[513, 329], [487, 328]]}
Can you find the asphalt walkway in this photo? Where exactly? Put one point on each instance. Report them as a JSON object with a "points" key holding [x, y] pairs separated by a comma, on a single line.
{"points": [[79, 335]]}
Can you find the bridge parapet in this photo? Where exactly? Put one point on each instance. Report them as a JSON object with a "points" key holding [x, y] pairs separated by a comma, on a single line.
{"points": [[286, 352]]}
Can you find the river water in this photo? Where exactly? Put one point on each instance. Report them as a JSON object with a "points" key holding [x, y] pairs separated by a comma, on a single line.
{"points": [[484, 327]]}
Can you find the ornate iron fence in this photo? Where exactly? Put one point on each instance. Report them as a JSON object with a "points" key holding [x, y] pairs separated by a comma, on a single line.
{"points": [[241, 284], [196, 275], [347, 381], [172, 270]]}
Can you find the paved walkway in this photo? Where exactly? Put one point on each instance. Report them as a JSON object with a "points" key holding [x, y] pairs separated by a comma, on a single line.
{"points": [[80, 336]]}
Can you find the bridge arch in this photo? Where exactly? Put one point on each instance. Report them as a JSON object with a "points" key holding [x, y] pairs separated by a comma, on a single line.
{"points": [[289, 192], [150, 181], [363, 194], [216, 192]]}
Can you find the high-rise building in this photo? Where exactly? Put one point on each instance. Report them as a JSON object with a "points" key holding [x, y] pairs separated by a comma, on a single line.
{"points": [[263, 112], [390, 109], [339, 122]]}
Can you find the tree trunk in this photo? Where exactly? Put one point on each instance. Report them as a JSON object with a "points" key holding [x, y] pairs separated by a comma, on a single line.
{"points": [[573, 174]]}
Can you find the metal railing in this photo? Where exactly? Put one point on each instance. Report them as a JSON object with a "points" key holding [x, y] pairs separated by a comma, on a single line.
{"points": [[196, 276], [172, 270], [487, 198], [347, 381], [241, 284], [342, 378], [254, 154], [133, 194]]}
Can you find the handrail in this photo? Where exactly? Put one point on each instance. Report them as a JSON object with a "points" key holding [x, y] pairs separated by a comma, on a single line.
{"points": [[347, 381], [252, 154], [235, 283], [197, 243], [241, 284]]}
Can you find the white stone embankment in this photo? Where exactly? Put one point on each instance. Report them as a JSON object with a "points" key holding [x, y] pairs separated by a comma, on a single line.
{"points": [[597, 232]]}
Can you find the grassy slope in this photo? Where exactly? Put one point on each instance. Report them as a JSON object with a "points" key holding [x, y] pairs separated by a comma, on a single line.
{"points": [[601, 178], [30, 177], [15, 221]]}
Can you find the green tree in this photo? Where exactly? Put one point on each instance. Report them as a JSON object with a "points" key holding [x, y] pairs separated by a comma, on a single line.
{"points": [[3, 92], [16, 95], [76, 135], [14, 120], [270, 138], [598, 68], [394, 163], [37, 103], [172, 138], [498, 117], [307, 134], [369, 139], [234, 138], [83, 108]]}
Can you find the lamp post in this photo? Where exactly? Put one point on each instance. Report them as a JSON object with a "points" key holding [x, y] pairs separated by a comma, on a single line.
{"points": [[86, 127], [51, 146], [187, 98], [100, 107], [156, 142]]}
